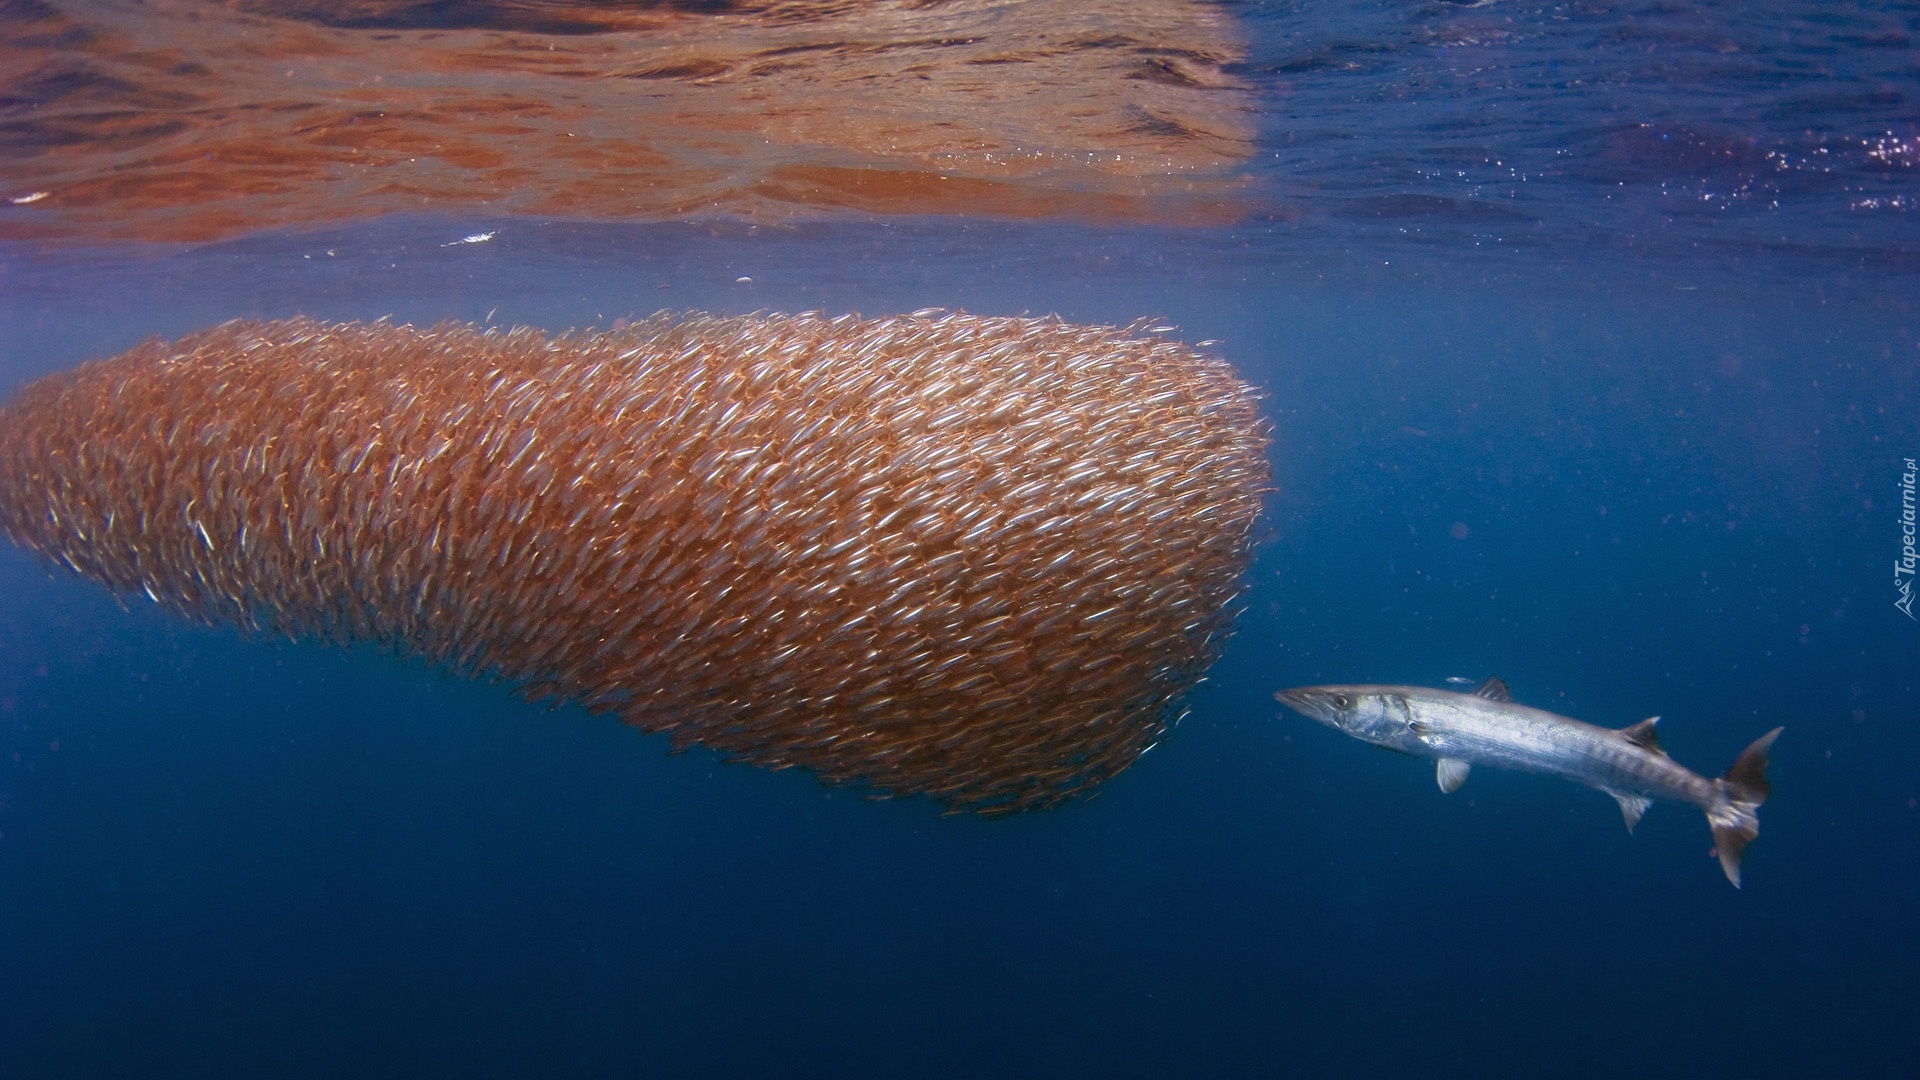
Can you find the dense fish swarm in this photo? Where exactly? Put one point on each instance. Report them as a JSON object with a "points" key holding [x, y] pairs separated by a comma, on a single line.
{"points": [[979, 559]]}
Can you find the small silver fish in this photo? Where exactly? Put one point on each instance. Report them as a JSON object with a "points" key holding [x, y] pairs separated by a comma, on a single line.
{"points": [[1486, 728]]}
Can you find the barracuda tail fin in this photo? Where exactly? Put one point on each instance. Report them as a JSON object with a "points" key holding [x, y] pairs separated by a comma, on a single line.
{"points": [[1735, 820]]}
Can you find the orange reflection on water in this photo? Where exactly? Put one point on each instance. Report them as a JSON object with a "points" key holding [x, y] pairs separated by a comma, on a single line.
{"points": [[187, 121]]}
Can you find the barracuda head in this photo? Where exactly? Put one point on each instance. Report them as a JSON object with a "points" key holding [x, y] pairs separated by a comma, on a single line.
{"points": [[1364, 712]]}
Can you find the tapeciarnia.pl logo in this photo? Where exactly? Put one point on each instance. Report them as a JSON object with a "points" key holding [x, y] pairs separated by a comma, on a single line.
{"points": [[1903, 567]]}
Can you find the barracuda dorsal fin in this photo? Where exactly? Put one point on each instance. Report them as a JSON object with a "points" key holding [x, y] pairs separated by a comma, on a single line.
{"points": [[1493, 689], [1451, 773], [1631, 806], [1644, 736]]}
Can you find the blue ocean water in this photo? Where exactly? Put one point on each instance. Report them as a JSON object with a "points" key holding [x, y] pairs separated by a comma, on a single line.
{"points": [[1589, 337]]}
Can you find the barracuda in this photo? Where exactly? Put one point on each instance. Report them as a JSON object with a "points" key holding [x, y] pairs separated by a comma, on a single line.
{"points": [[1485, 727]]}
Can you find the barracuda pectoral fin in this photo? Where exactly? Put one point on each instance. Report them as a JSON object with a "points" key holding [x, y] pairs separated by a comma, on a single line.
{"points": [[1631, 806], [1451, 773]]}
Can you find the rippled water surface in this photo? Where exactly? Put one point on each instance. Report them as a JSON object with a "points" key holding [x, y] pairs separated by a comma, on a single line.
{"points": [[1588, 336]]}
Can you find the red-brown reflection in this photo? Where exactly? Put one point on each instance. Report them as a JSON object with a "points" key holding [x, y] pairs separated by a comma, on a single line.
{"points": [[184, 120]]}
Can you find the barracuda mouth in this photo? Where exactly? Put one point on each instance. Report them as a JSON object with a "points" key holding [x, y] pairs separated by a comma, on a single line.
{"points": [[1310, 702]]}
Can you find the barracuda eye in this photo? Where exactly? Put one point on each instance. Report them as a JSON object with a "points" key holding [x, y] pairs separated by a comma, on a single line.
{"points": [[1341, 700]]}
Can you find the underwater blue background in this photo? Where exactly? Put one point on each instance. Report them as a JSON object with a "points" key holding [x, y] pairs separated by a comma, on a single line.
{"points": [[1631, 455]]}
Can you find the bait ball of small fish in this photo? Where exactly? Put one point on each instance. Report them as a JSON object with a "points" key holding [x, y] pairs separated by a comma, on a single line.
{"points": [[980, 559]]}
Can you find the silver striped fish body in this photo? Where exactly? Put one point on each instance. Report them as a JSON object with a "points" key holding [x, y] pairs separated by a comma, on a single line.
{"points": [[1458, 731], [1464, 727]]}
